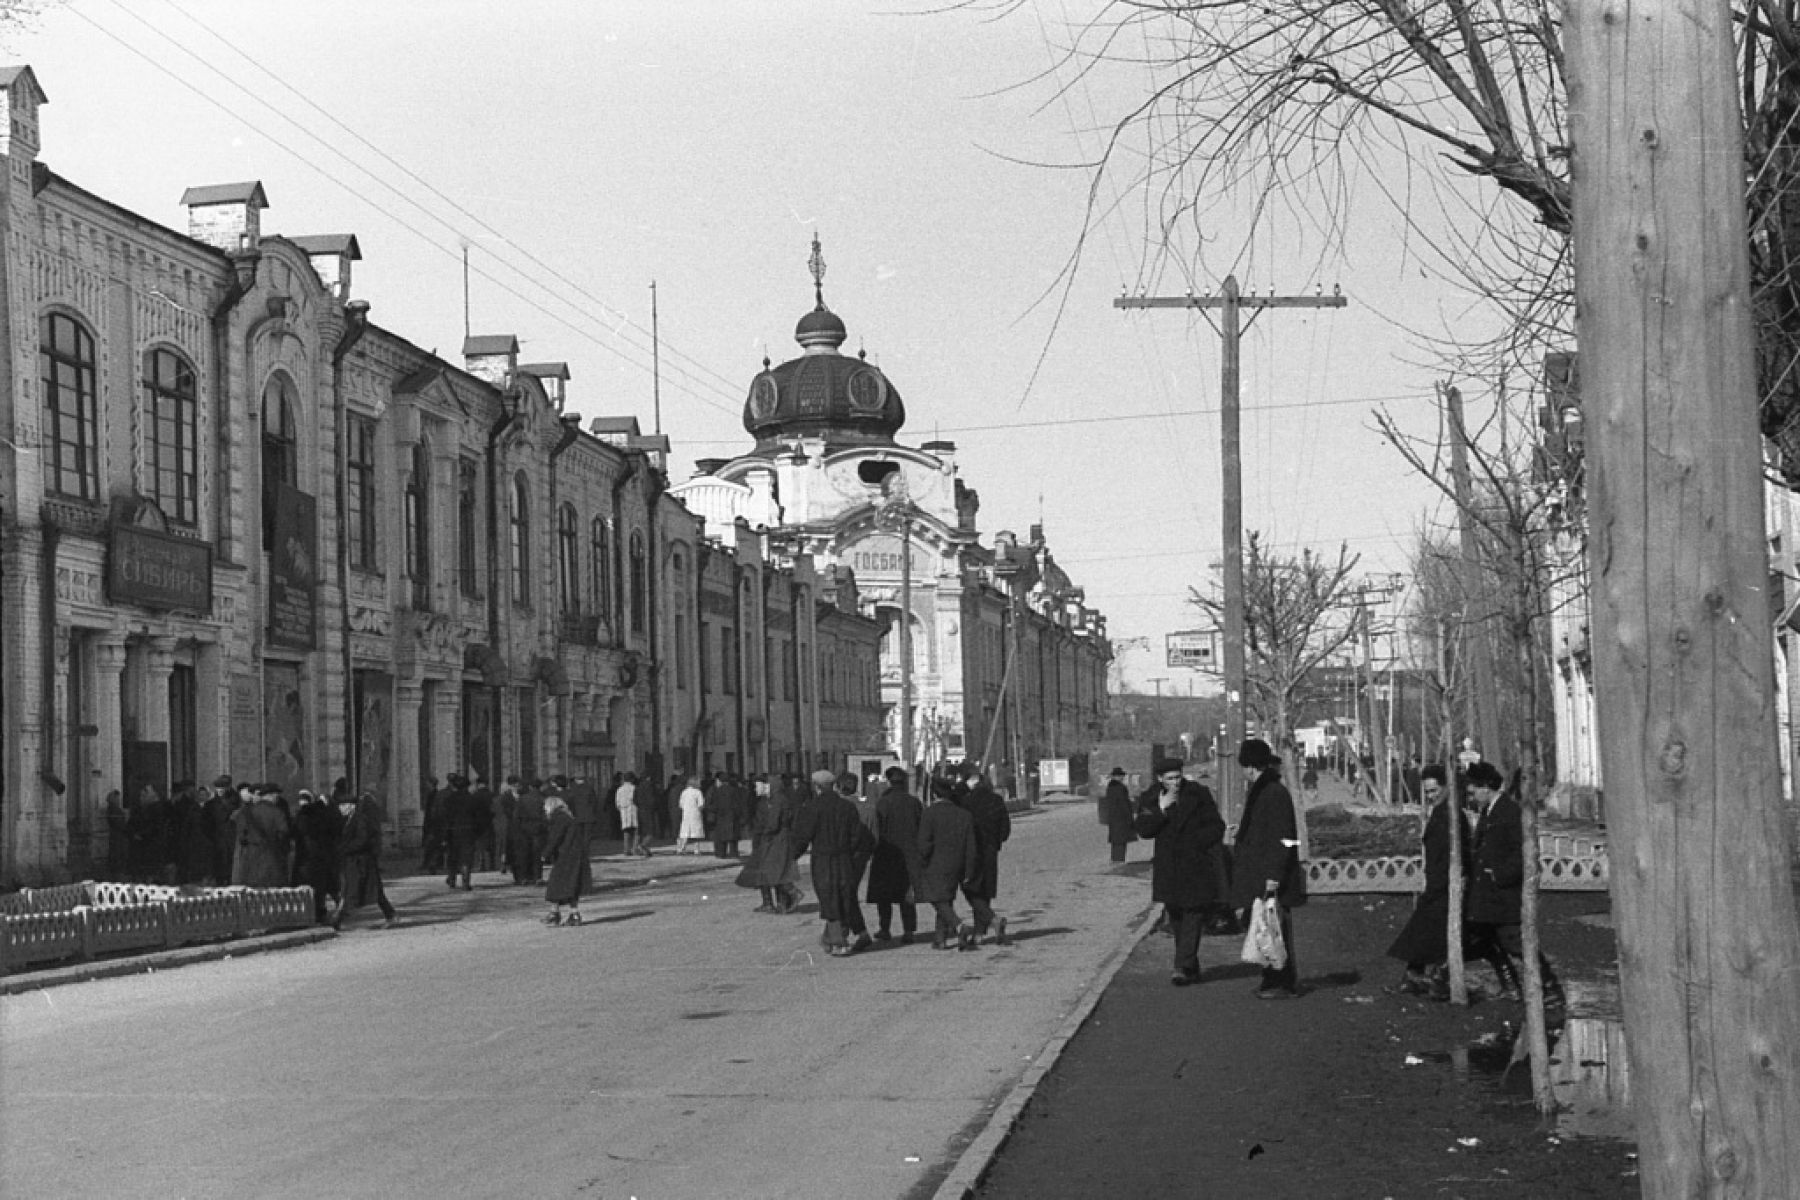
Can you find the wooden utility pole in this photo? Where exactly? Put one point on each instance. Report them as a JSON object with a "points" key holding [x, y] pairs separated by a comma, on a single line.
{"points": [[1230, 304], [1709, 945], [1483, 705]]}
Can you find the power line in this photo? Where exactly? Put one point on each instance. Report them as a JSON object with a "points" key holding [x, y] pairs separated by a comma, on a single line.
{"points": [[534, 304]]}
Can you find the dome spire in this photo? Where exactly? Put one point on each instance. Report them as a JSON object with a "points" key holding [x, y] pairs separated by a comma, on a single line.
{"points": [[816, 264]]}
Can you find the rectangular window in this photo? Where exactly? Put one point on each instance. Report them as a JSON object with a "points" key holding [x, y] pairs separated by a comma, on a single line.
{"points": [[681, 651], [174, 457], [360, 483], [728, 659]]}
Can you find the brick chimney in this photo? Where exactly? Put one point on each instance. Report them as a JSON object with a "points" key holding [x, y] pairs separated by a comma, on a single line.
{"points": [[226, 215], [491, 356], [331, 255]]}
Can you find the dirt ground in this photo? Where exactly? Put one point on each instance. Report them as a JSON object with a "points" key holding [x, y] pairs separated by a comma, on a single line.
{"points": [[1351, 1090]]}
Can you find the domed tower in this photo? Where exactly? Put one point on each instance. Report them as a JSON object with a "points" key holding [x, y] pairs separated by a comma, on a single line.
{"points": [[846, 401]]}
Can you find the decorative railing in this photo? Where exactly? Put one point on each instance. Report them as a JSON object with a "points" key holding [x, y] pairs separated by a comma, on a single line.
{"points": [[85, 920], [1565, 864]]}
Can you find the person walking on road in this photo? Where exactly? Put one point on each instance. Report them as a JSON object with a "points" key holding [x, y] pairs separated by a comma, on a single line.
{"points": [[359, 860], [1266, 859], [771, 867], [1117, 813], [894, 871], [947, 859], [992, 827], [833, 829], [693, 817], [565, 854], [527, 831], [1180, 815]]}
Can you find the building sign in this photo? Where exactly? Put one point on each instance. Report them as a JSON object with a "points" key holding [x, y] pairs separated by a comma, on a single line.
{"points": [[880, 555], [1194, 648], [1053, 773], [293, 568], [157, 570]]}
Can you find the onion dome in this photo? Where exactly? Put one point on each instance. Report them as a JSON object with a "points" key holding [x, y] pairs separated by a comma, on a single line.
{"points": [[823, 393]]}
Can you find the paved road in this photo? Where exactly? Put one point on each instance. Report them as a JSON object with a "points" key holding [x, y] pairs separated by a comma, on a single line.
{"points": [[679, 1045]]}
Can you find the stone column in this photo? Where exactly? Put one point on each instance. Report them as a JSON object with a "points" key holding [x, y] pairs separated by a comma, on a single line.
{"points": [[107, 757], [406, 820], [153, 700]]}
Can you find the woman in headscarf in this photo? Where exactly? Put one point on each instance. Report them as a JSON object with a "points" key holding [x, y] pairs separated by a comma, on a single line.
{"points": [[566, 856]]}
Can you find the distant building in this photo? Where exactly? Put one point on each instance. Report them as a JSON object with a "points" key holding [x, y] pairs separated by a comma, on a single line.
{"points": [[827, 479]]}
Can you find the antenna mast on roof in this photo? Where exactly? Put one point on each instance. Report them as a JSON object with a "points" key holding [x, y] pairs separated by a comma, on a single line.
{"points": [[655, 362], [465, 291]]}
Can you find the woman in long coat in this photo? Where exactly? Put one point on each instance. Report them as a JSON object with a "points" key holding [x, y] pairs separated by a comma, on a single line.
{"points": [[894, 871], [693, 817], [566, 855], [947, 858], [1424, 943], [316, 851], [1266, 858], [359, 859]]}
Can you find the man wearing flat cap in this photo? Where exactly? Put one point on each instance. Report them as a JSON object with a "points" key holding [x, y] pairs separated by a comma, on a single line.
{"points": [[1266, 858], [1180, 816]]}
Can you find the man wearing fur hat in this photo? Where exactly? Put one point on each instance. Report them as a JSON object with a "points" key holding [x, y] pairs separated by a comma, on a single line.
{"points": [[1180, 816], [1266, 859]]}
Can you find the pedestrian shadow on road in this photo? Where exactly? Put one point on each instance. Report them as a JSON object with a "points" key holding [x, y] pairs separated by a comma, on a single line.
{"points": [[615, 918], [1032, 934], [1334, 979]]}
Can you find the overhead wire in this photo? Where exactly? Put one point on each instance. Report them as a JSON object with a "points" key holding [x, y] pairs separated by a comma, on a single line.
{"points": [[423, 236]]}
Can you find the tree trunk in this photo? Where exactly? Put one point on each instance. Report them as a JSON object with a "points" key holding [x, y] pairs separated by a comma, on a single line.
{"points": [[1709, 947], [1453, 938], [1537, 1041]]}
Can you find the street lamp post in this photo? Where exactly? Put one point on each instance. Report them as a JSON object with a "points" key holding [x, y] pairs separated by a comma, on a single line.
{"points": [[898, 515]]}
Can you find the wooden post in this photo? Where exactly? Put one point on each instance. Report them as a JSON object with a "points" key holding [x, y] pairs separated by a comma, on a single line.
{"points": [[1482, 702], [1709, 945]]}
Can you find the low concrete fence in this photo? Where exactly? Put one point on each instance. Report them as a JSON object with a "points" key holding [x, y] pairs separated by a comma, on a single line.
{"points": [[1565, 864], [88, 920]]}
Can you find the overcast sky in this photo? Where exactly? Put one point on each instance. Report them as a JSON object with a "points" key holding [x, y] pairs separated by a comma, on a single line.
{"points": [[583, 148]]}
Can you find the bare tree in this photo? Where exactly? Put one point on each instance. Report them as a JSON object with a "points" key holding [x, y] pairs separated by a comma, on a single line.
{"points": [[1292, 625]]}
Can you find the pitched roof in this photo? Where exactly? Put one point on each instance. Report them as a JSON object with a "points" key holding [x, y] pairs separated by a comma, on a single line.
{"points": [[547, 370], [330, 243], [249, 191], [10, 76], [613, 425], [480, 344]]}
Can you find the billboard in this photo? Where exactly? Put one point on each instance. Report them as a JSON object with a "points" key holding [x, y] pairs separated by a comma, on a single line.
{"points": [[1195, 649]]}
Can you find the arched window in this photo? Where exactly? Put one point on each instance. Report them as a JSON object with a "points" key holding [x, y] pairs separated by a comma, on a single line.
{"points": [[173, 407], [467, 527], [598, 567], [639, 597], [280, 448], [521, 540], [568, 560], [71, 407], [418, 525]]}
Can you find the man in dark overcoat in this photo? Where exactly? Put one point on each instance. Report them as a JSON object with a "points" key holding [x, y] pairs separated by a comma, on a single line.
{"points": [[1179, 814], [528, 832], [947, 859], [992, 827], [432, 843], [834, 831], [894, 871], [1266, 859], [1497, 886], [359, 859], [583, 798], [461, 822], [1117, 814]]}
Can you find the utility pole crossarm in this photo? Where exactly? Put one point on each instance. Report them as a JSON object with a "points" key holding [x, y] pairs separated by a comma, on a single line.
{"points": [[1335, 300], [1232, 304]]}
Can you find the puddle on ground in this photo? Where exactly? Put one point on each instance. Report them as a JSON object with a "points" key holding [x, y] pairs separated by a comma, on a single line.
{"points": [[1588, 1074]]}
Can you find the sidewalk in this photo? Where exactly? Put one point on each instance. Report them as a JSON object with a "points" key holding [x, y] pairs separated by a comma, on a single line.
{"points": [[419, 899]]}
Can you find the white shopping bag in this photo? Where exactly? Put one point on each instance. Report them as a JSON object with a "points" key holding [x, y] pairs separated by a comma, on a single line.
{"points": [[1263, 946]]}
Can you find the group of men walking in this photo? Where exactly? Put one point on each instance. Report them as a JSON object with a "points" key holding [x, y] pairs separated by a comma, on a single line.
{"points": [[913, 853]]}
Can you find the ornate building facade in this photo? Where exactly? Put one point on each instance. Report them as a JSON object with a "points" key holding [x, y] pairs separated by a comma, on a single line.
{"points": [[990, 652]]}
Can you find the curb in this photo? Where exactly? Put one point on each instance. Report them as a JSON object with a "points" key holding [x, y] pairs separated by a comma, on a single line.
{"points": [[973, 1164], [140, 964]]}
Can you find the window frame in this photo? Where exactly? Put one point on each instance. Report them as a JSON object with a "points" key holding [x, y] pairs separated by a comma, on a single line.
{"points": [[361, 493], [165, 373], [70, 379]]}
